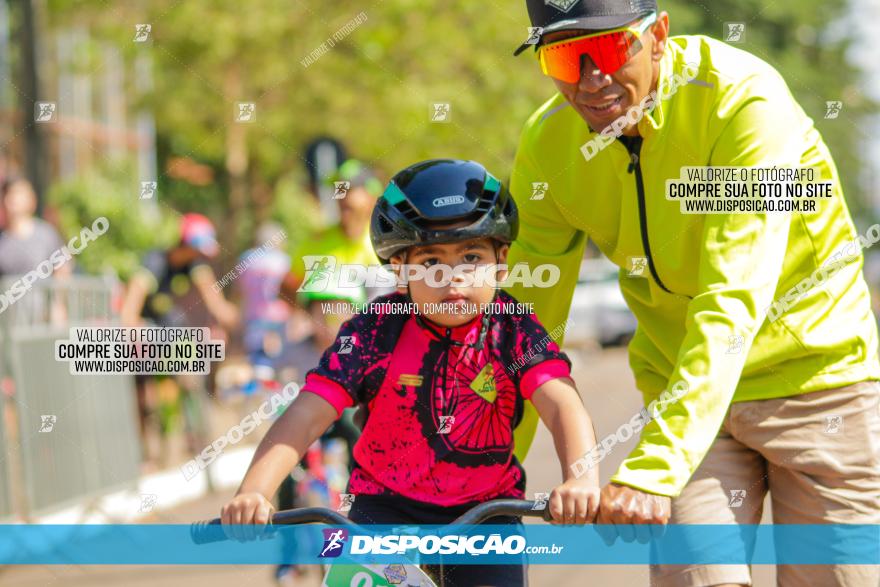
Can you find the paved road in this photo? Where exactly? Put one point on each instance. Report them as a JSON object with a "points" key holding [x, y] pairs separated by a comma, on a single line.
{"points": [[608, 390]]}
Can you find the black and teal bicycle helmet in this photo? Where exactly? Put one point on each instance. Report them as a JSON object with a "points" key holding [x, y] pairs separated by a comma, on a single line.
{"points": [[441, 191]]}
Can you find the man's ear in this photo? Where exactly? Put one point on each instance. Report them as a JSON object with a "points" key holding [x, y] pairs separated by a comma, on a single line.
{"points": [[660, 33]]}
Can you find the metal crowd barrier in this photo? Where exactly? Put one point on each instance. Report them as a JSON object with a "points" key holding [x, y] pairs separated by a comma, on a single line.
{"points": [[63, 438]]}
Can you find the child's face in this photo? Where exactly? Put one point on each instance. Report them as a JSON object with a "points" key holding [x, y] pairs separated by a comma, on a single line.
{"points": [[452, 302]]}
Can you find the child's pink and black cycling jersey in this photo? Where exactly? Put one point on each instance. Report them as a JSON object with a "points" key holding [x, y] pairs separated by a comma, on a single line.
{"points": [[441, 412]]}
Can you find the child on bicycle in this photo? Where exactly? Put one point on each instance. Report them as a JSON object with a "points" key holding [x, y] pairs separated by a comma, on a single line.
{"points": [[442, 370]]}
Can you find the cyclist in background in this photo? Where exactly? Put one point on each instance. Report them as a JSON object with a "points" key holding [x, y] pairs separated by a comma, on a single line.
{"points": [[444, 381], [265, 313], [347, 242], [176, 288], [328, 305]]}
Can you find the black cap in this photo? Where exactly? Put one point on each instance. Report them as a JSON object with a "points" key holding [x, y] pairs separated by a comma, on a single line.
{"points": [[590, 15]]}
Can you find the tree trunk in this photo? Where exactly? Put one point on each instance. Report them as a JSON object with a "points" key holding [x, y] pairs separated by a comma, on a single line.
{"points": [[236, 167]]}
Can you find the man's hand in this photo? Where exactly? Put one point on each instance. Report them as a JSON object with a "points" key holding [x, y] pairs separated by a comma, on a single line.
{"points": [[574, 502], [631, 514]]}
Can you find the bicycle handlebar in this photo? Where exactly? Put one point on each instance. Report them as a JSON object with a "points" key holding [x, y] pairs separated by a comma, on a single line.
{"points": [[212, 531]]}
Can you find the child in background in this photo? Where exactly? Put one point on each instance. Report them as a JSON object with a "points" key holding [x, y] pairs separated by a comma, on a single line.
{"points": [[443, 386]]}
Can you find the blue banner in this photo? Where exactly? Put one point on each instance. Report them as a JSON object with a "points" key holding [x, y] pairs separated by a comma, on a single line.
{"points": [[533, 544]]}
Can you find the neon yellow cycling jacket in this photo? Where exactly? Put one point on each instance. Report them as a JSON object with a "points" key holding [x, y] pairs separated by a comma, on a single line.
{"points": [[708, 277]]}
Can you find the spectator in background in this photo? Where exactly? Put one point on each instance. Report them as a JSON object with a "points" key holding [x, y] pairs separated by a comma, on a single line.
{"points": [[26, 240]]}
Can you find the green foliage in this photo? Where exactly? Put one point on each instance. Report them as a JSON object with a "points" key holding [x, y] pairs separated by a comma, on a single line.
{"points": [[133, 228], [374, 87], [296, 211]]}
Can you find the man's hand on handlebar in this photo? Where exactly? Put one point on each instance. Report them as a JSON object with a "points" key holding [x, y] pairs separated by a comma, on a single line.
{"points": [[574, 502], [631, 514], [251, 509]]}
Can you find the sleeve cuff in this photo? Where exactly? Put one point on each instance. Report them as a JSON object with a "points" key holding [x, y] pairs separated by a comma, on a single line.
{"points": [[330, 391], [660, 475], [541, 374]]}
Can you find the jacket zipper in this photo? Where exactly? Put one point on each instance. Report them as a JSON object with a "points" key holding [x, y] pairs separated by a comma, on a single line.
{"points": [[634, 146]]}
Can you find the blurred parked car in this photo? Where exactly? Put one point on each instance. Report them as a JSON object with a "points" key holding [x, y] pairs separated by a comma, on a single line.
{"points": [[598, 311]]}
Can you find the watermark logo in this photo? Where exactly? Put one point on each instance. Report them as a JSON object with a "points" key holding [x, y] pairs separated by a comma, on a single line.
{"points": [[318, 273], [245, 112], [346, 344], [441, 112], [446, 423], [395, 574], [44, 112], [323, 274], [666, 88], [534, 37], [737, 498], [266, 411], [47, 422], [541, 500], [842, 257], [148, 190], [142, 32], [331, 41], [832, 109], [645, 416], [334, 542], [340, 189], [475, 545], [538, 347], [539, 190], [116, 350], [346, 501], [735, 344], [637, 266], [833, 424], [734, 32], [252, 257], [148, 501]]}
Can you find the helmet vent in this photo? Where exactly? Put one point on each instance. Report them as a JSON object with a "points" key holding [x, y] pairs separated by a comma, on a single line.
{"points": [[407, 210], [384, 225]]}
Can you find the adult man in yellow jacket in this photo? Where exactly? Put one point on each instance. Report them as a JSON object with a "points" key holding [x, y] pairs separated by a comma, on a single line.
{"points": [[757, 319]]}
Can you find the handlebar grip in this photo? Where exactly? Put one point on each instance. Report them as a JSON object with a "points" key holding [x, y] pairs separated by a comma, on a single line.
{"points": [[207, 531]]}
